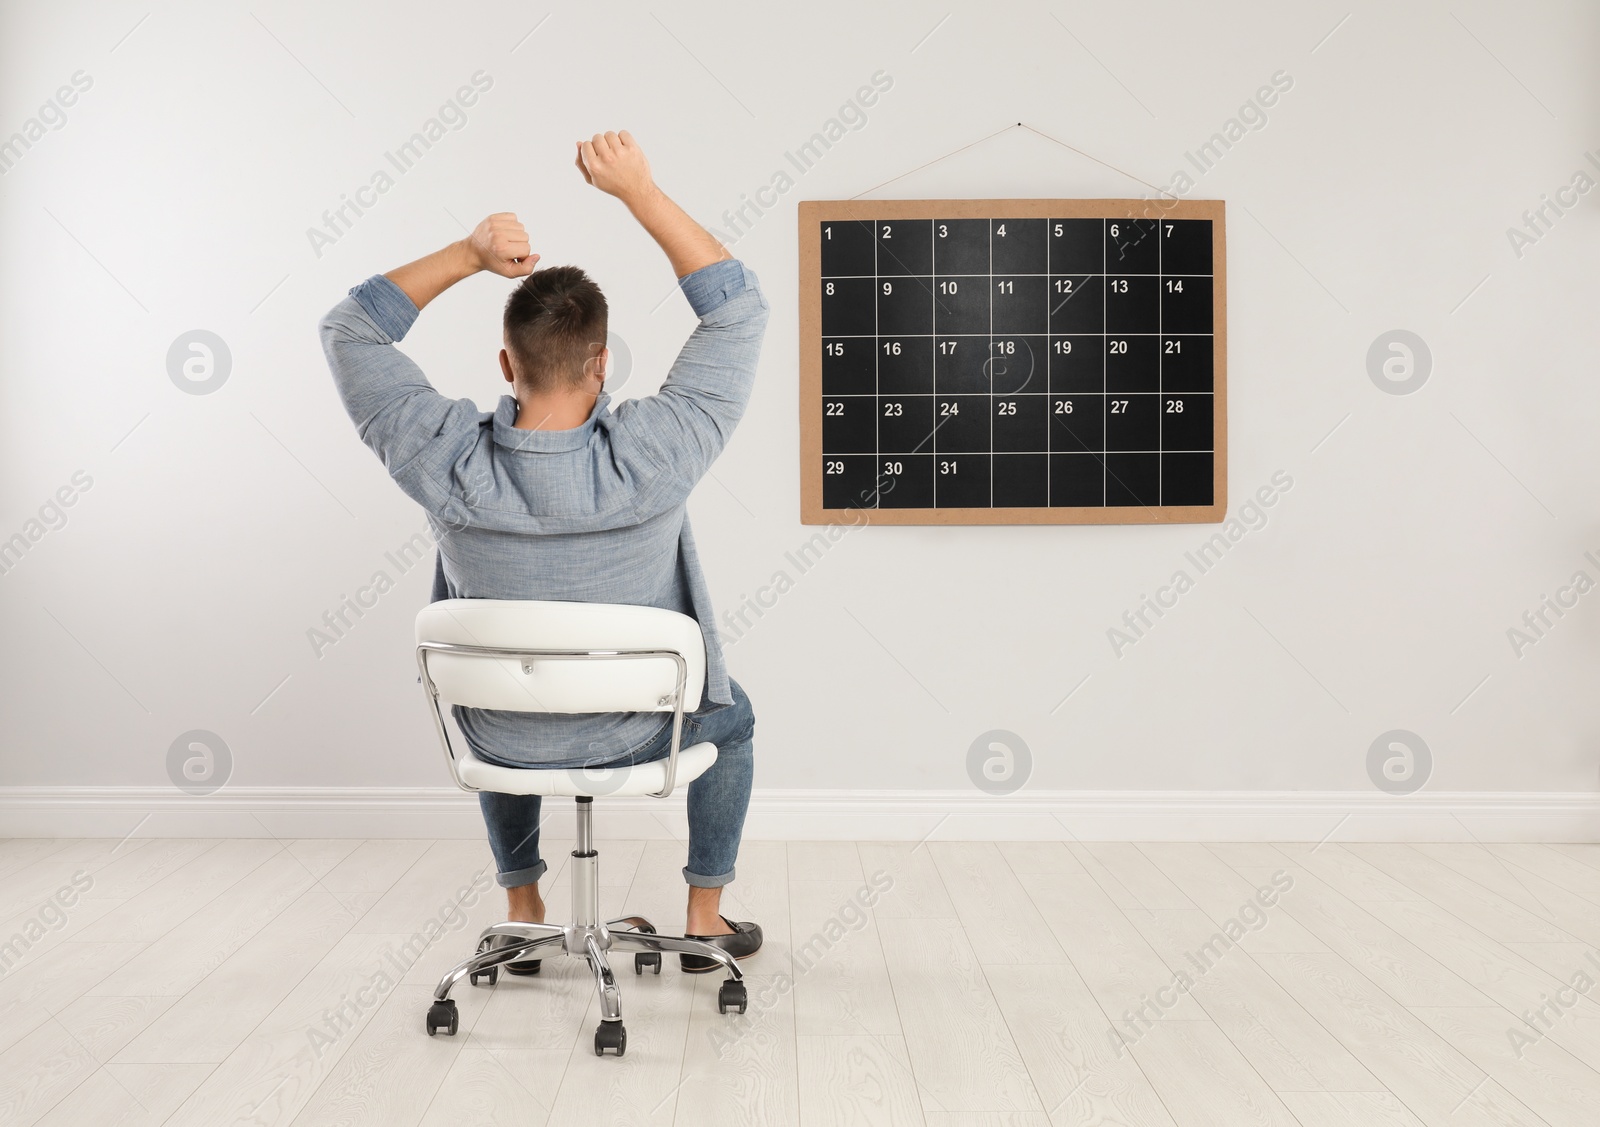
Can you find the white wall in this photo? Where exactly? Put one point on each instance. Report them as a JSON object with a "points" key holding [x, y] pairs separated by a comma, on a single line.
{"points": [[1378, 595]]}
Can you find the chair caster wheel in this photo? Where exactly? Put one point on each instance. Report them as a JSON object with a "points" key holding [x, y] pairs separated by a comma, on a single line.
{"points": [[492, 973], [732, 995], [610, 1035], [651, 959], [443, 1015]]}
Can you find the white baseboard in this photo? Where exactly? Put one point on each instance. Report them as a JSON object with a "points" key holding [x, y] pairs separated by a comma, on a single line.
{"points": [[825, 815]]}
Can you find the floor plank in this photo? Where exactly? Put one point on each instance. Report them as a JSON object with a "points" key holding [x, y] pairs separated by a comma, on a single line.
{"points": [[31, 994], [1549, 1080], [40, 1071], [429, 888], [1503, 975], [213, 1018], [181, 958], [856, 1079], [643, 1086], [1501, 874], [166, 904], [1204, 1079], [740, 1068], [1038, 856], [20, 853], [1433, 1078], [1403, 969], [1079, 1064], [1117, 963], [1338, 868], [28, 938], [1468, 899], [1552, 865], [992, 905], [1223, 894], [1344, 1109], [127, 1095], [1136, 872], [824, 860], [104, 1025], [131, 873], [1005, 984], [390, 1074], [841, 981], [1285, 1044], [1586, 852], [917, 890], [497, 1088], [274, 1072], [962, 1052]]}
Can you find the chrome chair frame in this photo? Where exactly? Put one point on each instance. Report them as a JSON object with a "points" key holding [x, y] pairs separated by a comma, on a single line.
{"points": [[585, 935]]}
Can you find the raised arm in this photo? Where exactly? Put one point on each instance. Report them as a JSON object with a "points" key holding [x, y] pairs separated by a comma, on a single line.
{"points": [[417, 432], [679, 431], [614, 163], [498, 244]]}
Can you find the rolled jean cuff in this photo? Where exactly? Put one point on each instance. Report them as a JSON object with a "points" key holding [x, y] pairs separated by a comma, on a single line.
{"points": [[707, 882], [521, 876]]}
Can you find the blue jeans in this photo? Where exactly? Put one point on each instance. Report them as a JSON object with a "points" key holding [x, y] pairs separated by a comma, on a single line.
{"points": [[718, 799]]}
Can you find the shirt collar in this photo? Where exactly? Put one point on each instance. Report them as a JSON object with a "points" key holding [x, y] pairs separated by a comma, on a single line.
{"points": [[507, 435]]}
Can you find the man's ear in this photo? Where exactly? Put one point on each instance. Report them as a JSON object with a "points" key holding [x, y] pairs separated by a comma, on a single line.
{"points": [[505, 366], [598, 366]]}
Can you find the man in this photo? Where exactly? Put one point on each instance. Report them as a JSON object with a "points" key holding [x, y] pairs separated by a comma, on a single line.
{"points": [[555, 496]]}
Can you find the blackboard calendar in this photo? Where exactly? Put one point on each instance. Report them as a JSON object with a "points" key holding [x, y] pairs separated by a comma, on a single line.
{"points": [[1012, 361]]}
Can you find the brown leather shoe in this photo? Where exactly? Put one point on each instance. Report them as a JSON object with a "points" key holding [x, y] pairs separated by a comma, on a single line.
{"points": [[744, 942]]}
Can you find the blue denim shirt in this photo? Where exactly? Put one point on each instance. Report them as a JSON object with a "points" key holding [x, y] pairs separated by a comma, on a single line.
{"points": [[592, 514]]}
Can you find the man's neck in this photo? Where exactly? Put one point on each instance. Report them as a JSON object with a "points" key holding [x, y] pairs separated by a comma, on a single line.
{"points": [[554, 412]]}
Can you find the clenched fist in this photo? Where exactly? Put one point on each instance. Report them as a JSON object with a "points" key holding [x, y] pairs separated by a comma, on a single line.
{"points": [[500, 244], [614, 163]]}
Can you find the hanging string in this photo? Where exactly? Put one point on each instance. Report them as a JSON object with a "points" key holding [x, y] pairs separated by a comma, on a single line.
{"points": [[1097, 160], [936, 160], [1031, 129]]}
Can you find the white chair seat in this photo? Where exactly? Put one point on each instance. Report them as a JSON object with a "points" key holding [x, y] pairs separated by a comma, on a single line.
{"points": [[643, 778]]}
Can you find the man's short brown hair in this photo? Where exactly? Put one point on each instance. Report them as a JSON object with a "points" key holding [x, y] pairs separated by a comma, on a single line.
{"points": [[555, 323]]}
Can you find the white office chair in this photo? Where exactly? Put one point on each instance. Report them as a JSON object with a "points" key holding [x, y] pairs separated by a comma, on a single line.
{"points": [[531, 656]]}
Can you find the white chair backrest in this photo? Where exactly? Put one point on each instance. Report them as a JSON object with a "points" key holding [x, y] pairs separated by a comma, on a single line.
{"points": [[556, 684]]}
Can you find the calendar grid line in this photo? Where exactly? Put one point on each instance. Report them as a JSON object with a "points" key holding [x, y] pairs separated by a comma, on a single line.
{"points": [[933, 319], [1009, 395], [1009, 274], [916, 453], [980, 336], [920, 378]]}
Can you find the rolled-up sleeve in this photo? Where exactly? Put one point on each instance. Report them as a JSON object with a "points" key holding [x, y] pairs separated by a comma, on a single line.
{"points": [[684, 427], [397, 412]]}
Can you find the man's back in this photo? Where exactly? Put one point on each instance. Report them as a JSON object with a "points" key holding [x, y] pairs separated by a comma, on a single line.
{"points": [[594, 513]]}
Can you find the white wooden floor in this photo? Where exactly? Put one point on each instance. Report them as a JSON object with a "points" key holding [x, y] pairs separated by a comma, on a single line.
{"points": [[215, 982]]}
